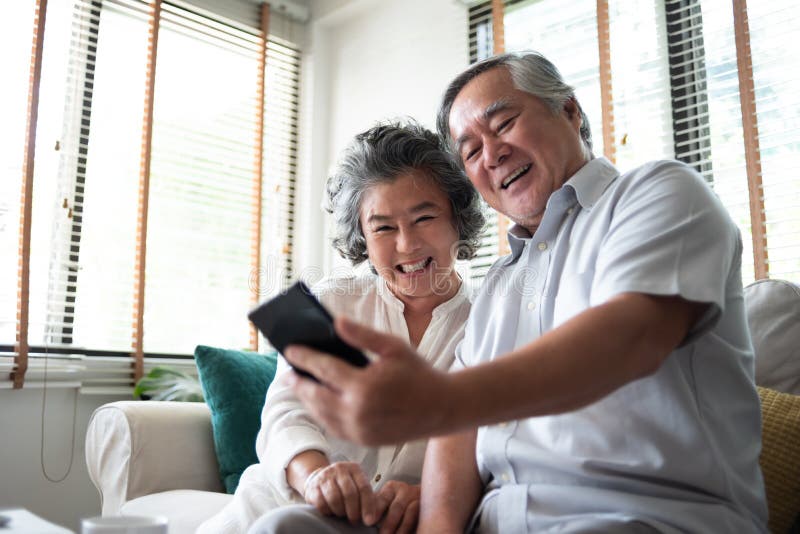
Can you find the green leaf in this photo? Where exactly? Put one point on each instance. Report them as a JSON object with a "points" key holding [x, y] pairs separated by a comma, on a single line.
{"points": [[166, 383]]}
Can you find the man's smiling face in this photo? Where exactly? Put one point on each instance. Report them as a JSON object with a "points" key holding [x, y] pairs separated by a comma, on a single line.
{"points": [[515, 149]]}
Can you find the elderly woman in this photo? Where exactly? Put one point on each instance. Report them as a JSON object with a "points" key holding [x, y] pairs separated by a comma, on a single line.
{"points": [[400, 203]]}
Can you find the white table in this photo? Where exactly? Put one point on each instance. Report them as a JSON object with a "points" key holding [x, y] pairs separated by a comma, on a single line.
{"points": [[21, 520]]}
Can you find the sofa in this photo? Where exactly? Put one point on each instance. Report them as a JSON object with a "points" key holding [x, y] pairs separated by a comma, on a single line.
{"points": [[159, 458]]}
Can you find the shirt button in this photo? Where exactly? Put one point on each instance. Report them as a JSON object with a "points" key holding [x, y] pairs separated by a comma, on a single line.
{"points": [[569, 211], [505, 477], [542, 246], [378, 477], [531, 305], [503, 424]]}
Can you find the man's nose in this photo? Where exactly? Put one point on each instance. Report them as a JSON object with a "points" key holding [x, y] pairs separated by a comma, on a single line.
{"points": [[495, 152]]}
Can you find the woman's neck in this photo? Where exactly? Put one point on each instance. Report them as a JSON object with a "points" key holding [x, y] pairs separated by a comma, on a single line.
{"points": [[418, 311]]}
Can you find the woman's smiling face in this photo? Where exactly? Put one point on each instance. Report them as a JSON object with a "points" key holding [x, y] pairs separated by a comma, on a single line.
{"points": [[410, 235]]}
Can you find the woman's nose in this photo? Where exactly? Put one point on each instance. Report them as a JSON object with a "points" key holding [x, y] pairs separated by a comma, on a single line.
{"points": [[407, 241]]}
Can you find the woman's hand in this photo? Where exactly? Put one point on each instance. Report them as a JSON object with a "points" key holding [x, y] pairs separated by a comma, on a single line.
{"points": [[342, 489], [398, 507]]}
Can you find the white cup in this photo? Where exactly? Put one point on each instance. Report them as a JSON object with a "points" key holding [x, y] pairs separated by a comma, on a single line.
{"points": [[124, 524]]}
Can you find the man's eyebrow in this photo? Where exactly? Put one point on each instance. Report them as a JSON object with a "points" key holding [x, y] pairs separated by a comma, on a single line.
{"points": [[492, 109], [496, 107]]}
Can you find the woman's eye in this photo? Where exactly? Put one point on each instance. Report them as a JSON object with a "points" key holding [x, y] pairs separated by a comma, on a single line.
{"points": [[471, 154], [379, 229], [425, 218]]}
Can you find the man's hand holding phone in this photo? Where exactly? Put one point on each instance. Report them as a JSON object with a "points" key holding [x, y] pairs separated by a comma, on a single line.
{"points": [[397, 397], [296, 317]]}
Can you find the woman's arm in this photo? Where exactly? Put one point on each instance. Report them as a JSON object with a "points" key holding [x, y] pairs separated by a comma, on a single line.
{"points": [[302, 466], [287, 431], [451, 484]]}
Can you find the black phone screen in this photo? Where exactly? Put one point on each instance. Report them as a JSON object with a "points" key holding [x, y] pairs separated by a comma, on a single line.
{"points": [[296, 317]]}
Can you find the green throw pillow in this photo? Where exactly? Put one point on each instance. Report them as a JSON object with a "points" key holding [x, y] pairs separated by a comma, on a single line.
{"points": [[234, 385]]}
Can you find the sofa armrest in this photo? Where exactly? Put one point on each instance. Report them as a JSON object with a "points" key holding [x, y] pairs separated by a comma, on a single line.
{"points": [[135, 448]]}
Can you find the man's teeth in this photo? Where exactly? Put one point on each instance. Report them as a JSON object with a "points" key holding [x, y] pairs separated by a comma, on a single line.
{"points": [[516, 174], [411, 267]]}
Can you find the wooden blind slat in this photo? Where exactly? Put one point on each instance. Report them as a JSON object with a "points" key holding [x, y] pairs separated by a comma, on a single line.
{"points": [[499, 47], [144, 194], [498, 30], [258, 182], [606, 101], [23, 273], [752, 151]]}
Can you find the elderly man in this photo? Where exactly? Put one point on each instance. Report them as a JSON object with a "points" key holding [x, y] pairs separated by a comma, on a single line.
{"points": [[606, 374]]}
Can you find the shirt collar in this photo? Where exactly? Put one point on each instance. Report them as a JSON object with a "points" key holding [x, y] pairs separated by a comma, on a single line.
{"points": [[589, 183], [517, 237]]}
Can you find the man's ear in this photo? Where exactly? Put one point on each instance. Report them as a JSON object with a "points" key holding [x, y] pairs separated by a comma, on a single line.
{"points": [[573, 112]]}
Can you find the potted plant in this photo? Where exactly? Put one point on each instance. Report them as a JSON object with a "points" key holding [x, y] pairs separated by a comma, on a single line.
{"points": [[168, 384]]}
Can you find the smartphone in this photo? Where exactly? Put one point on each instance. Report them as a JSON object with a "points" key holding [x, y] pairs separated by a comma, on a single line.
{"points": [[296, 317]]}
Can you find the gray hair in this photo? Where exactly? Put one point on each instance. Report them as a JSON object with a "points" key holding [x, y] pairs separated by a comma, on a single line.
{"points": [[381, 155], [532, 73]]}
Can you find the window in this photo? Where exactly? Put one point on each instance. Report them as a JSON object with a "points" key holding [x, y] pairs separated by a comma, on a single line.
{"points": [[709, 82], [218, 158]]}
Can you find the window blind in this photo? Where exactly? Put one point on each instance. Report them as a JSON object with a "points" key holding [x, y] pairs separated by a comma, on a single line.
{"points": [[281, 109], [201, 172], [15, 41], [710, 82], [706, 105], [568, 38], [640, 81], [86, 182], [773, 26]]}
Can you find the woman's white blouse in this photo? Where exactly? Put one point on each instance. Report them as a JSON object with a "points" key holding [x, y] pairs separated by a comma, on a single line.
{"points": [[287, 429]]}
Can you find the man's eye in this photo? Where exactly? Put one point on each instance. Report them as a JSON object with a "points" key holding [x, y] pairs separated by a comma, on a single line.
{"points": [[471, 154], [503, 125], [424, 218], [382, 229]]}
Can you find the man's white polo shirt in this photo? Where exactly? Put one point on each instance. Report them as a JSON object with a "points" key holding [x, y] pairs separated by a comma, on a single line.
{"points": [[677, 450]]}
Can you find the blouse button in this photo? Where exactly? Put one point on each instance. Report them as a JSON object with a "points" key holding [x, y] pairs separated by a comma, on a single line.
{"points": [[378, 477], [542, 246]]}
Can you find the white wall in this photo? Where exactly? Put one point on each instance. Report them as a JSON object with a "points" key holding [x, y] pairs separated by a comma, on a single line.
{"points": [[368, 60], [22, 483]]}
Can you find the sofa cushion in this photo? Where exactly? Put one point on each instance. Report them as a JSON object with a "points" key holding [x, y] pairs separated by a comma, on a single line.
{"points": [[780, 456], [184, 509], [234, 384], [773, 315]]}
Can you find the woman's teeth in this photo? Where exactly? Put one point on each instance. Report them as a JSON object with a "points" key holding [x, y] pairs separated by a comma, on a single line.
{"points": [[411, 267]]}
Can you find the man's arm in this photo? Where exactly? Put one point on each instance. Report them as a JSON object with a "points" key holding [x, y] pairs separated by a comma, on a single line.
{"points": [[451, 484], [576, 364], [572, 366]]}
